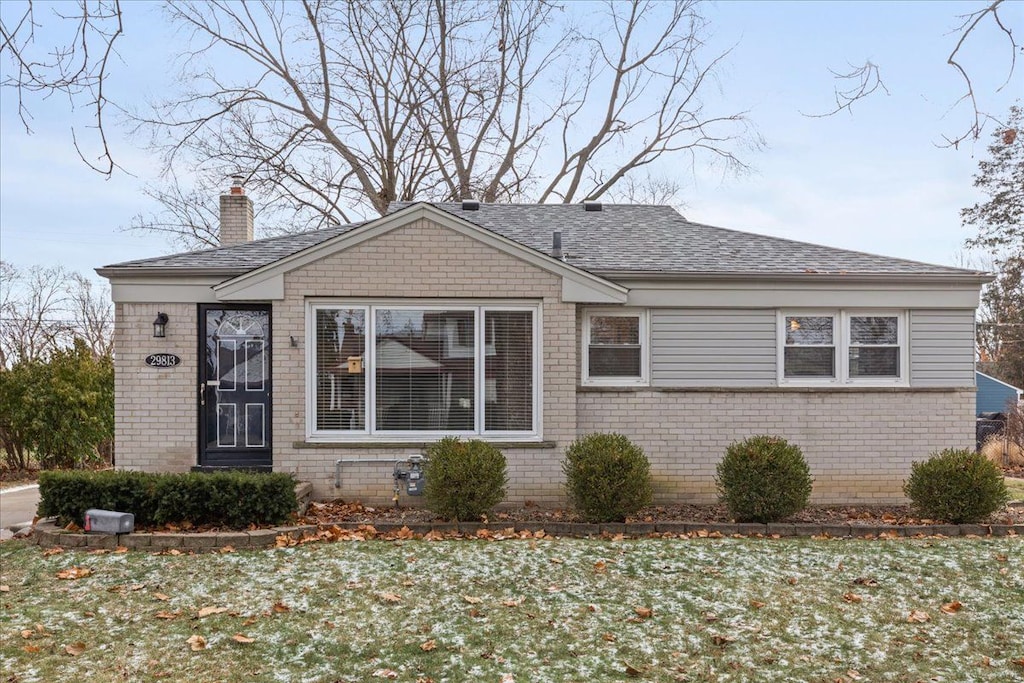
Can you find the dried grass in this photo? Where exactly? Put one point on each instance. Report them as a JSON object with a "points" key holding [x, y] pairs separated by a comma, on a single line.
{"points": [[1003, 452]]}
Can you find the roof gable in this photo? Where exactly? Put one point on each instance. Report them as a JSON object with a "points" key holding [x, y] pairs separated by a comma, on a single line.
{"points": [[267, 282]]}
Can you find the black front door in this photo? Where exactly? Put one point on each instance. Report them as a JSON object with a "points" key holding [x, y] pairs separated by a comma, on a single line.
{"points": [[234, 386]]}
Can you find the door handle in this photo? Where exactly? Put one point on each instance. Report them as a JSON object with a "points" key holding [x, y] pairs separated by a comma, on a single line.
{"points": [[202, 394]]}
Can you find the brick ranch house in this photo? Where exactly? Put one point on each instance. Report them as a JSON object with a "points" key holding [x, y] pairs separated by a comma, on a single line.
{"points": [[528, 326]]}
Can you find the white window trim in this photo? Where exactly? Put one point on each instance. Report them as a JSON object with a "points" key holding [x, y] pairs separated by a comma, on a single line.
{"points": [[645, 348], [369, 433], [841, 339]]}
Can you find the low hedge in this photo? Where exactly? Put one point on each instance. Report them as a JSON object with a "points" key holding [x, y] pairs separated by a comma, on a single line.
{"points": [[226, 499]]}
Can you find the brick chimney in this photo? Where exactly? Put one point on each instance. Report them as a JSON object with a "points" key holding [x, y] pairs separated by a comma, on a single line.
{"points": [[235, 215]]}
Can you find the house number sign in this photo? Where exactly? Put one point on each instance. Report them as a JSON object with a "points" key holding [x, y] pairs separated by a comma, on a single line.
{"points": [[163, 360]]}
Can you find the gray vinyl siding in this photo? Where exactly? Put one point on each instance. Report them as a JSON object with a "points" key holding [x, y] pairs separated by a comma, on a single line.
{"points": [[713, 348], [942, 348]]}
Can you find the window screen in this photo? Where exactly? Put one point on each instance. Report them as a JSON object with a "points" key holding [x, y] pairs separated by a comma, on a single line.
{"points": [[614, 348], [508, 370], [340, 368], [874, 346], [810, 346]]}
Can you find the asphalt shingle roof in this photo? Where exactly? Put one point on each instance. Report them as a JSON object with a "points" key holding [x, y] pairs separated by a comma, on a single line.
{"points": [[618, 238]]}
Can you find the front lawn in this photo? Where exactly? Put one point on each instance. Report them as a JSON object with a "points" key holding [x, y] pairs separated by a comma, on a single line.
{"points": [[521, 610]]}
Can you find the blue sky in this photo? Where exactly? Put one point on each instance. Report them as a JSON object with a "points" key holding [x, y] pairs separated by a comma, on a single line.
{"points": [[873, 181]]}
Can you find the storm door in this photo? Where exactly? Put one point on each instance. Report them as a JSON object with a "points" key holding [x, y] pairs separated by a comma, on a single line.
{"points": [[234, 387]]}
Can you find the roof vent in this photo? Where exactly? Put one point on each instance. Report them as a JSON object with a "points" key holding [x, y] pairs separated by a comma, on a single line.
{"points": [[470, 205], [591, 206], [556, 245]]}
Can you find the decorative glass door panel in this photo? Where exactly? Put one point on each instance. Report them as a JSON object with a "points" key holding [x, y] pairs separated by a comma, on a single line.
{"points": [[234, 387]]}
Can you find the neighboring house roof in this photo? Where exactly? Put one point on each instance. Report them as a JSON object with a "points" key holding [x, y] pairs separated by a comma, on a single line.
{"points": [[618, 239], [994, 394]]}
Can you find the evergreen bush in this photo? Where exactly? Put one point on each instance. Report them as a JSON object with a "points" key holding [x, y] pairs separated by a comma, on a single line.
{"points": [[607, 477], [228, 499], [956, 486], [464, 479], [763, 479]]}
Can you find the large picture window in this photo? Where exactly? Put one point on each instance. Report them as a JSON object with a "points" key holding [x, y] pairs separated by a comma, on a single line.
{"points": [[409, 370], [849, 347]]}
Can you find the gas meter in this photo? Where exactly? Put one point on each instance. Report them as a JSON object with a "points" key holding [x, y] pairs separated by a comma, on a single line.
{"points": [[411, 472]]}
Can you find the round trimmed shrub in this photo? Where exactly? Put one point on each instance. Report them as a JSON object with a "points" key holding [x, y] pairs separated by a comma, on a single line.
{"points": [[607, 477], [464, 479], [763, 479], [956, 486]]}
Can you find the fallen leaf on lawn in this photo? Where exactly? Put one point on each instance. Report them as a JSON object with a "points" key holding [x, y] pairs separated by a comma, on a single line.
{"points": [[55, 550], [511, 603], [167, 615], [27, 633], [1018, 662], [918, 617], [472, 600], [600, 566], [227, 549], [207, 611], [865, 581], [31, 649], [643, 612], [609, 637], [709, 617], [475, 613], [721, 641], [281, 607], [390, 597], [197, 643], [593, 608], [75, 649], [73, 573], [250, 621], [556, 560], [508, 678], [136, 586], [792, 581], [952, 607], [161, 597], [385, 673], [428, 646], [852, 597], [1001, 558], [4, 589], [121, 549], [239, 638], [854, 674], [757, 604], [631, 670]]}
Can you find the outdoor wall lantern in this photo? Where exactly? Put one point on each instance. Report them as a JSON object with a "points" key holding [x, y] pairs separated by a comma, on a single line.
{"points": [[160, 326]]}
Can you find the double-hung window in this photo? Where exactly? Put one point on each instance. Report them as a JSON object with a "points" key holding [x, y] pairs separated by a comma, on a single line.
{"points": [[615, 349], [417, 370], [848, 347]]}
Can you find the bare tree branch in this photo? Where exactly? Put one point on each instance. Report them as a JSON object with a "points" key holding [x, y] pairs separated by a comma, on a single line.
{"points": [[344, 107], [77, 68], [865, 80]]}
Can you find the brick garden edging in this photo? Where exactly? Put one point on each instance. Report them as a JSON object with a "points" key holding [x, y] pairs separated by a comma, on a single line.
{"points": [[47, 534]]}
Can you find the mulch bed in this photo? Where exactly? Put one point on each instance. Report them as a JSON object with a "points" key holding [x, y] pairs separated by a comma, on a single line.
{"points": [[336, 512]]}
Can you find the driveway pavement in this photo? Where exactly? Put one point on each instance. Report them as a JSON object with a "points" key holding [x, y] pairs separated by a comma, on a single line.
{"points": [[17, 505]]}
